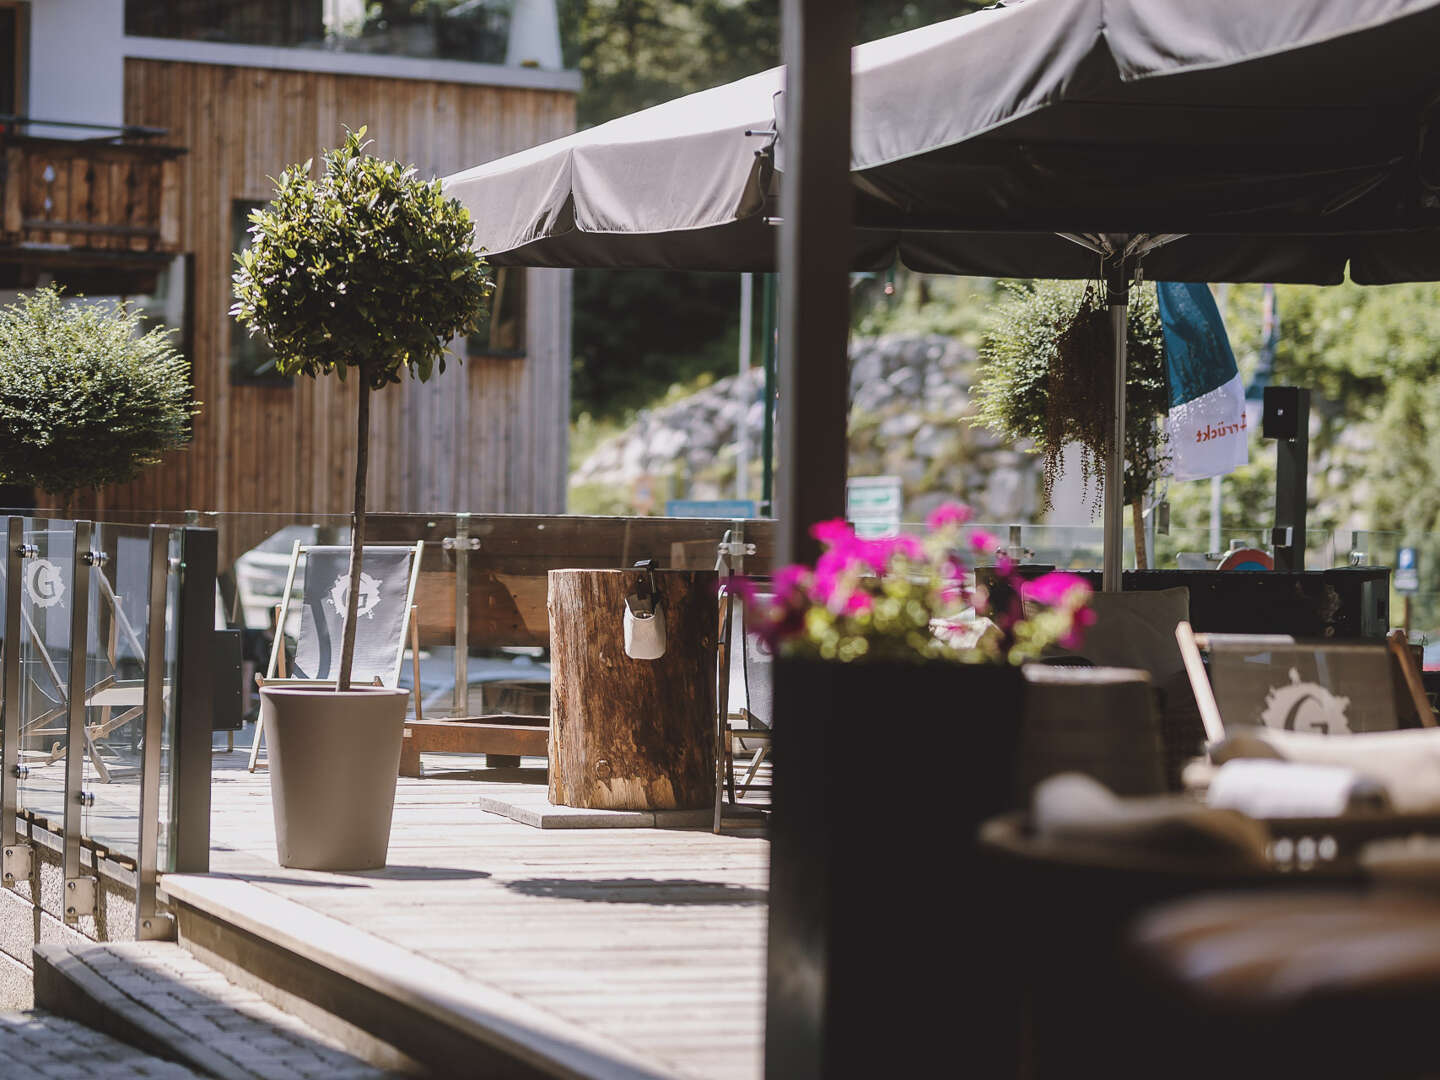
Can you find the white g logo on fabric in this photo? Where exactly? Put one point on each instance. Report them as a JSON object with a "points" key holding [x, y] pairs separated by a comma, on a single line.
{"points": [[369, 594], [43, 583]]}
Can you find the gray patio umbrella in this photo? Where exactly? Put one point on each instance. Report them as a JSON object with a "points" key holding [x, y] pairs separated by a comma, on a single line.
{"points": [[1221, 141]]}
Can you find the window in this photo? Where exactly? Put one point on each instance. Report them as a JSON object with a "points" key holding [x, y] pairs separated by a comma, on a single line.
{"points": [[473, 30], [252, 360], [504, 334], [12, 60]]}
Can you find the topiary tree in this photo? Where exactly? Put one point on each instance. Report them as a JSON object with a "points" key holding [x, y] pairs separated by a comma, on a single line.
{"points": [[365, 267], [87, 397], [1045, 375]]}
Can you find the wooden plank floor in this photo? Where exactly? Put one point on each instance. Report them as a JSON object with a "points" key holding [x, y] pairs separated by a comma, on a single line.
{"points": [[654, 939]]}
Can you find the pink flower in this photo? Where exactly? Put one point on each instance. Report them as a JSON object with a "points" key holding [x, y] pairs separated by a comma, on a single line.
{"points": [[790, 580], [834, 533], [950, 513], [1058, 588], [857, 602], [984, 542], [905, 545], [1075, 636]]}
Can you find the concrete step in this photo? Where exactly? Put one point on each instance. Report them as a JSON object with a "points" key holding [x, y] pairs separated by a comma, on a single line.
{"points": [[455, 1025], [38, 1045], [161, 999]]}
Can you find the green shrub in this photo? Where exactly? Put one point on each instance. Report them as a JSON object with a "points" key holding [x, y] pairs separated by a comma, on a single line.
{"points": [[366, 267], [87, 398]]}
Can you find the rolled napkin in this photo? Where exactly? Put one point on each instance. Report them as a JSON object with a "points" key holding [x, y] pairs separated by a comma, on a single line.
{"points": [[1406, 763], [1265, 788], [1073, 809]]}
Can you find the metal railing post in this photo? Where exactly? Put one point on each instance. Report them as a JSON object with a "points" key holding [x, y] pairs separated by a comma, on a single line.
{"points": [[16, 853], [149, 925], [462, 615], [79, 887], [462, 543], [193, 701]]}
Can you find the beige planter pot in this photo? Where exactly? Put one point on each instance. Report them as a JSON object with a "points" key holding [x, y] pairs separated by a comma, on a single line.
{"points": [[333, 762]]}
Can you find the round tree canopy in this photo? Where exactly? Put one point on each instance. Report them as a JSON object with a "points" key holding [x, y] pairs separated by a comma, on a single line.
{"points": [[367, 266], [87, 396]]}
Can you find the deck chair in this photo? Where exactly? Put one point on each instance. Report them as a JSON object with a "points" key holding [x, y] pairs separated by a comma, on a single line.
{"points": [[1327, 687], [737, 654], [389, 575]]}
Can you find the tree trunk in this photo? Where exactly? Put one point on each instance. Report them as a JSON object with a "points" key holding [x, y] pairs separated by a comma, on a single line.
{"points": [[357, 533], [631, 734], [1137, 520]]}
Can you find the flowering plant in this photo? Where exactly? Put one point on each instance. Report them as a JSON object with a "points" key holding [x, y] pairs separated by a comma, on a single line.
{"points": [[914, 598]]}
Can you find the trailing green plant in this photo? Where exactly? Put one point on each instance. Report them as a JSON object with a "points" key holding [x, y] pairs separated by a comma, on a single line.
{"points": [[368, 267], [1045, 375], [87, 396]]}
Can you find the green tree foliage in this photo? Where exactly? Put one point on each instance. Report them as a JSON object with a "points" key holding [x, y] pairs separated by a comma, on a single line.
{"points": [[637, 332], [87, 397], [1045, 376], [366, 267]]}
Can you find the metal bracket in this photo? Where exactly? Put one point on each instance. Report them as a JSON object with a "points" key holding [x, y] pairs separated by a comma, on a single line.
{"points": [[157, 927], [95, 558], [17, 864], [735, 549], [450, 543], [86, 799], [79, 898], [27, 551]]}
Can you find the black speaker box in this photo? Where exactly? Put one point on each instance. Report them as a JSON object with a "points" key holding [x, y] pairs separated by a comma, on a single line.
{"points": [[1281, 417]]}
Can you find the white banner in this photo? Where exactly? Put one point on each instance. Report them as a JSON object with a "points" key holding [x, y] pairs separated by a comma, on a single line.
{"points": [[1209, 435]]}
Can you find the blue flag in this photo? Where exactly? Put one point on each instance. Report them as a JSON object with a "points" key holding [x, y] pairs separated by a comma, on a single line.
{"points": [[1206, 423]]}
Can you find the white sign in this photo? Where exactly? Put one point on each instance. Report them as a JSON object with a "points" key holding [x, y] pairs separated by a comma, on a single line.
{"points": [[873, 504], [1407, 571]]}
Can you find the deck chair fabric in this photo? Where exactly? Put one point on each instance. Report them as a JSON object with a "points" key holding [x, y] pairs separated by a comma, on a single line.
{"points": [[388, 577], [384, 610], [1329, 688]]}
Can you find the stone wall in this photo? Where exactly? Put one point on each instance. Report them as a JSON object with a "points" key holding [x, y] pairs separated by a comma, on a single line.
{"points": [[909, 417]]}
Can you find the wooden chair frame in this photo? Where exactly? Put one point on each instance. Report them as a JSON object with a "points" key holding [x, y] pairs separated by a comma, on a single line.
{"points": [[725, 735], [1192, 643], [275, 673]]}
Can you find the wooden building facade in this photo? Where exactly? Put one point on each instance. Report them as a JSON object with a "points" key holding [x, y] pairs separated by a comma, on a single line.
{"points": [[488, 435], [196, 129]]}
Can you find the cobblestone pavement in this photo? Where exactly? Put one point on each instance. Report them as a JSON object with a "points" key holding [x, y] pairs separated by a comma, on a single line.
{"points": [[40, 1046], [246, 1035]]}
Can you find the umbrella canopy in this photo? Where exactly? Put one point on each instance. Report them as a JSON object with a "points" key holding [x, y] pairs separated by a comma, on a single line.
{"points": [[1272, 141]]}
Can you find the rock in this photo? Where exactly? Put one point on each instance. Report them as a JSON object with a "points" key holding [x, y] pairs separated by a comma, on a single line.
{"points": [[900, 426], [910, 400]]}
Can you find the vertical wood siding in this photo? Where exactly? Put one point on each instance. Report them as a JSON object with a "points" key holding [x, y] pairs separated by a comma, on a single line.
{"points": [[486, 437]]}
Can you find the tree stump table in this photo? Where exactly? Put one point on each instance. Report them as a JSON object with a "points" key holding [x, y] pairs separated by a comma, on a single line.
{"points": [[631, 734]]}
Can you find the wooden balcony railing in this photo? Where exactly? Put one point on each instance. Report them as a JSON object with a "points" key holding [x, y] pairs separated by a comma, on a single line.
{"points": [[83, 196]]}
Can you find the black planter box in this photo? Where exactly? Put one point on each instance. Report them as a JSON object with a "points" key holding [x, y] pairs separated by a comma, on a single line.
{"points": [[1347, 602], [884, 955]]}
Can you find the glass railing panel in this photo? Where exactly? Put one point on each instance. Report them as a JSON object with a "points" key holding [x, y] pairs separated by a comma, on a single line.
{"points": [[165, 860], [117, 660], [47, 597]]}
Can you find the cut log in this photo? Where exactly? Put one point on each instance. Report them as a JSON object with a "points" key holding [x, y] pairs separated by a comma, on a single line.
{"points": [[631, 734]]}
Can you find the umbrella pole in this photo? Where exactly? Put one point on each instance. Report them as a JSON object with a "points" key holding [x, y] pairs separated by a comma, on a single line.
{"points": [[1117, 288]]}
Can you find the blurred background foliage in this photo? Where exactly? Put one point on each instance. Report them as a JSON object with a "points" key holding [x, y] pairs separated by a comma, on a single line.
{"points": [[1370, 355]]}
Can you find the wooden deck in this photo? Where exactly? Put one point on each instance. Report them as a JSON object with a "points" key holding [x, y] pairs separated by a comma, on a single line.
{"points": [[644, 948]]}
